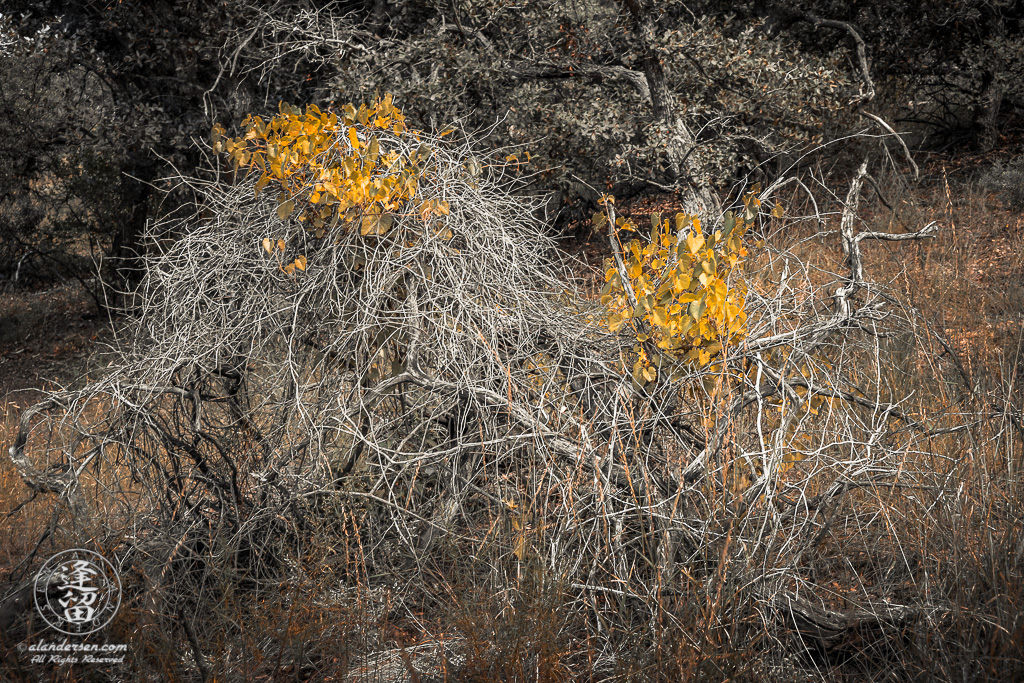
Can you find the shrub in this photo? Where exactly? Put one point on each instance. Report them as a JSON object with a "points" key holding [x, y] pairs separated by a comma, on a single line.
{"points": [[1007, 180], [362, 355]]}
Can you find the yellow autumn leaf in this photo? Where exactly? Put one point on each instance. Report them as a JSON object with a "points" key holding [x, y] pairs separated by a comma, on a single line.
{"points": [[262, 182], [680, 283], [684, 322], [284, 209], [520, 549], [375, 224], [720, 290], [696, 309]]}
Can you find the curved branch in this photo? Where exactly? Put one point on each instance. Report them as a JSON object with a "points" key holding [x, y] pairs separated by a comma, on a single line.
{"points": [[790, 16], [61, 479], [596, 72]]}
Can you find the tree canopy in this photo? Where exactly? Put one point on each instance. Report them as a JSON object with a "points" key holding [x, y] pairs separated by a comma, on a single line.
{"points": [[618, 96]]}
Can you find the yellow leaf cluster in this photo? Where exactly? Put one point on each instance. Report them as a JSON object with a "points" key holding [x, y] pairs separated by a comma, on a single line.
{"points": [[689, 294], [271, 246], [328, 167]]}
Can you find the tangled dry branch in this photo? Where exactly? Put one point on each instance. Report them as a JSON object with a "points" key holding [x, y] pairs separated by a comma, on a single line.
{"points": [[435, 383]]}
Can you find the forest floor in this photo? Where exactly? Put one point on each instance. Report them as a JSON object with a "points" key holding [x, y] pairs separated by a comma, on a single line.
{"points": [[46, 339]]}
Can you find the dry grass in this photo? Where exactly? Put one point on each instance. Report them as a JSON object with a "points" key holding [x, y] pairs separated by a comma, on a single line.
{"points": [[951, 538]]}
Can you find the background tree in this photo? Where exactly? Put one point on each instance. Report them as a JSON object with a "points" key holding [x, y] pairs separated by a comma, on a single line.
{"points": [[623, 96], [102, 102], [598, 93], [947, 71]]}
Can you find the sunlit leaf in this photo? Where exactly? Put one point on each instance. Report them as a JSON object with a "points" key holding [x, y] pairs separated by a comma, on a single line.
{"points": [[696, 309], [659, 316]]}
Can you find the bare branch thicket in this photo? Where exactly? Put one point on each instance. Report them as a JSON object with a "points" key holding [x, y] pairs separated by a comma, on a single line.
{"points": [[442, 381], [246, 396], [315, 36]]}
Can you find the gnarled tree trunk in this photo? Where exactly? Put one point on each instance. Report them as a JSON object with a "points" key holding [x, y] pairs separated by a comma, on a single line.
{"points": [[683, 165]]}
